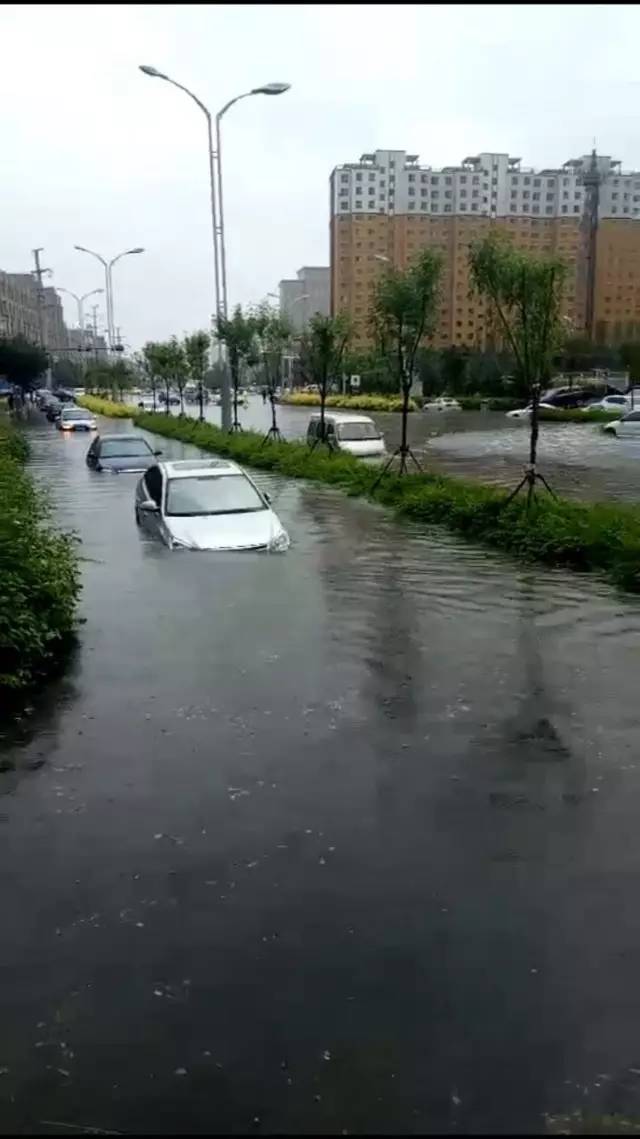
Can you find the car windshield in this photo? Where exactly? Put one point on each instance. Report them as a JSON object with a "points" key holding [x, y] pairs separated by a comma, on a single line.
{"points": [[75, 413], [116, 448], [212, 494], [351, 432]]}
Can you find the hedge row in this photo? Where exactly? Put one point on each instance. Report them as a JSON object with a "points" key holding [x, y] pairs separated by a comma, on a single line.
{"points": [[351, 402], [103, 406], [603, 537], [39, 575]]}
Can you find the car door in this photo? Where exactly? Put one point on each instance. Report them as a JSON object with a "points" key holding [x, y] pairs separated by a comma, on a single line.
{"points": [[93, 452], [152, 489]]}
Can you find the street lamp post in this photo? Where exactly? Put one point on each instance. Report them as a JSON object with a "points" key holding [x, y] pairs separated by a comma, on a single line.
{"points": [[108, 266], [217, 217], [80, 303]]}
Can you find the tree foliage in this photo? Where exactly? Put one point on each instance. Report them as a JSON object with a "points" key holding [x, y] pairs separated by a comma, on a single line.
{"points": [[321, 355], [21, 362], [238, 334], [403, 315], [525, 295]]}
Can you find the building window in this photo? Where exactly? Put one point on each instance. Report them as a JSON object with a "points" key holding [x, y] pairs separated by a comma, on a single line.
{"points": [[526, 193], [434, 181], [412, 205], [435, 193], [475, 193], [448, 194], [423, 177], [548, 209], [565, 209], [463, 179], [372, 177], [537, 182], [447, 181], [514, 180], [424, 192], [514, 193], [550, 197], [412, 191], [358, 177], [423, 205], [614, 209], [565, 181], [614, 197], [463, 205], [412, 178], [576, 209], [535, 209], [344, 193], [475, 180], [550, 182], [463, 193], [474, 205], [344, 177], [435, 207], [344, 205], [358, 205], [565, 194], [447, 208], [527, 181]]}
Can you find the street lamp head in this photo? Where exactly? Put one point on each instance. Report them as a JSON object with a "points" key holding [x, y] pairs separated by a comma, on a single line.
{"points": [[153, 71], [138, 249], [82, 248], [271, 89]]}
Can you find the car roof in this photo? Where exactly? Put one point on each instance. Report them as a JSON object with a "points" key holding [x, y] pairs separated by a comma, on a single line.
{"points": [[118, 435], [190, 468], [344, 418]]}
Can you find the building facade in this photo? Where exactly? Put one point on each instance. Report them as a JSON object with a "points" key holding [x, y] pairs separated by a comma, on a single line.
{"points": [[387, 207], [308, 293], [19, 306]]}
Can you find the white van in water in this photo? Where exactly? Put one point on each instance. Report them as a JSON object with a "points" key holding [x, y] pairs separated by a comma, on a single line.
{"points": [[355, 434]]}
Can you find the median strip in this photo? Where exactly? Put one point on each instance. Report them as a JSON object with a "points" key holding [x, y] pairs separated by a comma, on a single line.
{"points": [[582, 536]]}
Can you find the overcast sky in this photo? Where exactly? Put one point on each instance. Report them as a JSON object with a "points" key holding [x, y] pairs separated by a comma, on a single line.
{"points": [[95, 153]]}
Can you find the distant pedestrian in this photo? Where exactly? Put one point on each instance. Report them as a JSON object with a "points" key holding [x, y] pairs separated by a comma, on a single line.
{"points": [[264, 395]]}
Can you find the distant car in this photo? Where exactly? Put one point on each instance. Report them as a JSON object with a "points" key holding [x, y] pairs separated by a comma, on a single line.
{"points": [[626, 428], [75, 419], [123, 454], [207, 504], [525, 412], [147, 404], [619, 403], [443, 403]]}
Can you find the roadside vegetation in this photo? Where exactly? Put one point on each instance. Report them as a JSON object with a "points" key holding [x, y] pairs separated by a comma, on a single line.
{"points": [[39, 572], [350, 402], [586, 537]]}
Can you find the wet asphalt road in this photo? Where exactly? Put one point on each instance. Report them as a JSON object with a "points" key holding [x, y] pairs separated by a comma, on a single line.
{"points": [[341, 840]]}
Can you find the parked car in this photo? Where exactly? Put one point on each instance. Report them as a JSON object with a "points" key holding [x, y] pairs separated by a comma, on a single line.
{"points": [[207, 504], [354, 434], [75, 419], [525, 412], [628, 427], [120, 453], [147, 404], [619, 403], [443, 403], [53, 410]]}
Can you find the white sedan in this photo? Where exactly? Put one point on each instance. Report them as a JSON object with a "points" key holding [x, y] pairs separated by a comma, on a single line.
{"points": [[207, 504], [626, 428], [619, 403], [525, 412], [443, 403]]}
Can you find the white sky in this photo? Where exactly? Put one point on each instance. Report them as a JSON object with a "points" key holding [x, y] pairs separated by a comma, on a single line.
{"points": [[92, 152]]}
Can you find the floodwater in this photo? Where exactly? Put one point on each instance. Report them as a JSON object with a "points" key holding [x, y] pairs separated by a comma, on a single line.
{"points": [[343, 840], [581, 462]]}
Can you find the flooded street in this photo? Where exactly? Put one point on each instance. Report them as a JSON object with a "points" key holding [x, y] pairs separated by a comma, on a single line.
{"points": [[343, 840], [582, 462]]}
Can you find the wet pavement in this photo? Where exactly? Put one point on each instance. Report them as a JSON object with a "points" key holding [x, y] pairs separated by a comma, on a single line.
{"points": [[581, 462], [343, 840]]}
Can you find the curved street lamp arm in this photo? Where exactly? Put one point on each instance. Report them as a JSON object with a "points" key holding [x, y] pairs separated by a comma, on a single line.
{"points": [[186, 90], [231, 103], [82, 249]]}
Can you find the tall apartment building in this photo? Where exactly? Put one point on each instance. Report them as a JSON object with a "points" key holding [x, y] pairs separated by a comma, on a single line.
{"points": [[308, 293], [387, 207], [20, 316]]}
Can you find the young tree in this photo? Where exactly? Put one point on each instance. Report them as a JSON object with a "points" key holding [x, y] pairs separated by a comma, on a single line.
{"points": [[166, 361], [525, 295], [322, 349], [273, 334], [149, 366], [403, 315], [238, 334], [196, 351]]}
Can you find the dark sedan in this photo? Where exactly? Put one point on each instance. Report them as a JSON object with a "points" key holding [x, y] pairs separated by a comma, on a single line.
{"points": [[120, 454]]}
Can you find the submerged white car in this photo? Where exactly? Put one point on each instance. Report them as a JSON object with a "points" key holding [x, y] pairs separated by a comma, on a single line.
{"points": [[443, 403], [207, 504], [355, 434], [525, 412], [626, 428]]}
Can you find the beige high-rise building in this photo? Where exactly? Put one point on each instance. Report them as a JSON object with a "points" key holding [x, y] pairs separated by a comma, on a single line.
{"points": [[387, 207]]}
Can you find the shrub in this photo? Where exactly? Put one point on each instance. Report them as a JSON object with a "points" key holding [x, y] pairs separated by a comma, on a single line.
{"points": [[582, 536], [349, 402], [107, 407], [39, 574]]}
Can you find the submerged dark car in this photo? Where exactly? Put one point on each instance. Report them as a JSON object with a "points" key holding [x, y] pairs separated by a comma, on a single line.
{"points": [[120, 454]]}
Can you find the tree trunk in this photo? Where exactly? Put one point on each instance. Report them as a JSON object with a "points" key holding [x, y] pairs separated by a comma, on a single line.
{"points": [[274, 421], [406, 388], [533, 437], [181, 402], [153, 393], [166, 392], [201, 400], [233, 361]]}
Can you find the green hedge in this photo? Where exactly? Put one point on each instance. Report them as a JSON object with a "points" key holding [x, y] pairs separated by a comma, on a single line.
{"points": [[350, 402], [107, 407], [492, 403], [39, 575], [575, 415], [582, 536]]}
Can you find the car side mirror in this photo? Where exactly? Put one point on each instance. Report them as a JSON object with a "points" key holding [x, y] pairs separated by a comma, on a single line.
{"points": [[150, 507], [157, 452], [267, 497]]}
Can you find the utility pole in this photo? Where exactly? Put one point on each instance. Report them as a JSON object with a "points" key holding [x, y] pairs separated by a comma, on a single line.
{"points": [[94, 325], [38, 274]]}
